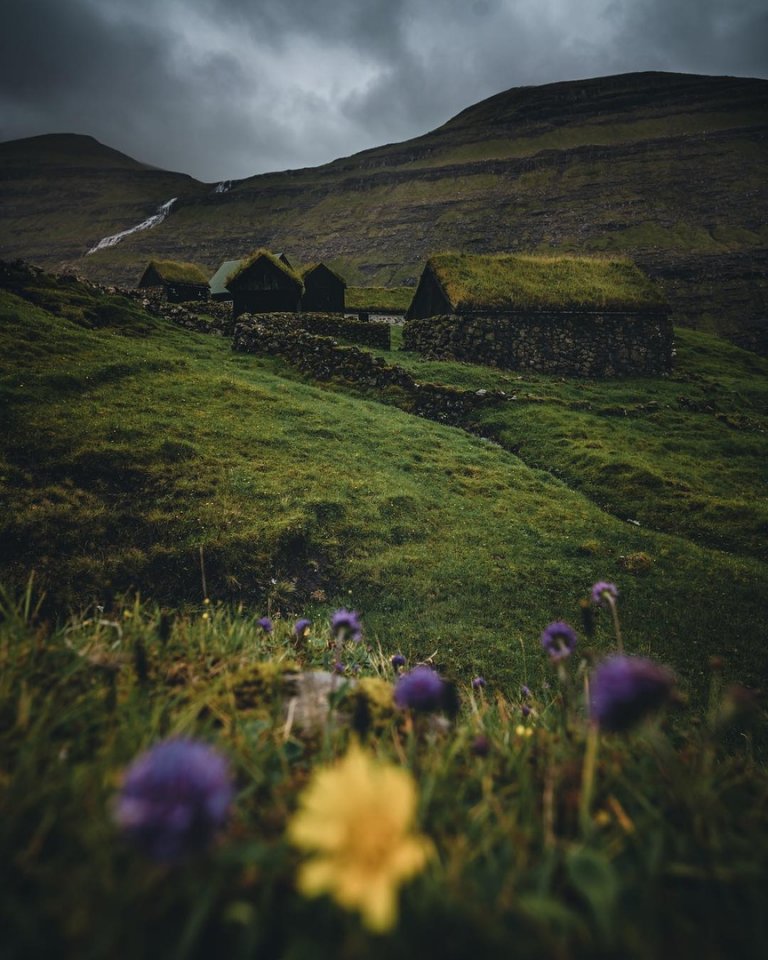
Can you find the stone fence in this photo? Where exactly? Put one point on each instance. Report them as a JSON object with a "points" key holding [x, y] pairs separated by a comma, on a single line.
{"points": [[573, 343], [321, 357]]}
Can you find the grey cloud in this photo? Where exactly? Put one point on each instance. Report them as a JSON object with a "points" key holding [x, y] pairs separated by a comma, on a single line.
{"points": [[227, 88]]}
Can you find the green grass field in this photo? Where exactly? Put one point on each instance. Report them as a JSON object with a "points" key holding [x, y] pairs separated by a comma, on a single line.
{"points": [[134, 445], [139, 457]]}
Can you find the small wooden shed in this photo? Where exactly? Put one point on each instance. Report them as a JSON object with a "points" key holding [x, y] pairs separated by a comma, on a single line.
{"points": [[264, 283], [178, 281], [323, 289]]}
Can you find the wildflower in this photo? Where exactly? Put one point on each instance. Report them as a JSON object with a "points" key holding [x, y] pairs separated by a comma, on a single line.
{"points": [[522, 731], [174, 798], [206, 616], [626, 689], [559, 639], [398, 661], [525, 710], [481, 746], [266, 624], [347, 622], [338, 667], [603, 593], [478, 683], [526, 691], [301, 628], [421, 690], [356, 819]]}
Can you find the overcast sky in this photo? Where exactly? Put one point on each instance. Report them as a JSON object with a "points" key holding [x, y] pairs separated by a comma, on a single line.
{"points": [[228, 88]]}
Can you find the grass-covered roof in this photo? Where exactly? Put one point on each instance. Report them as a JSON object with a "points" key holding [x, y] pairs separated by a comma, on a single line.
{"points": [[276, 262], [520, 281], [175, 271]]}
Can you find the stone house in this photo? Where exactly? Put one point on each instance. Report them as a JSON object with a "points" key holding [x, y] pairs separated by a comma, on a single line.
{"points": [[583, 316]]}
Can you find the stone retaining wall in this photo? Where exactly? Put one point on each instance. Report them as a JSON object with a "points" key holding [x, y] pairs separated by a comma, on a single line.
{"points": [[576, 344], [323, 358]]}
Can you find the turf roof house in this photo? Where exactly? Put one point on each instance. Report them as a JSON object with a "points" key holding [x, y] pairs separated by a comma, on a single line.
{"points": [[584, 316], [178, 281], [218, 282], [323, 289], [263, 283]]}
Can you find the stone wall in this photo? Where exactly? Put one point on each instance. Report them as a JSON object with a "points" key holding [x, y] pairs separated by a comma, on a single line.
{"points": [[324, 359], [366, 333], [576, 344]]}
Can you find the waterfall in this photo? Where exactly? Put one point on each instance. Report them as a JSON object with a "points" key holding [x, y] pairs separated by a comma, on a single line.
{"points": [[162, 212]]}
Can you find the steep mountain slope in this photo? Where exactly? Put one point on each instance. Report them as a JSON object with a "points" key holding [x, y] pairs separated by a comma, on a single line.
{"points": [[61, 193], [669, 168]]}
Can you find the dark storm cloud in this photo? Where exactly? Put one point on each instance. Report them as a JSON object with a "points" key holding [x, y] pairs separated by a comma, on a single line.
{"points": [[226, 88]]}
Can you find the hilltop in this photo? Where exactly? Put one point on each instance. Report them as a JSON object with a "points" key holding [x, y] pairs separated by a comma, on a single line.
{"points": [[667, 168]]}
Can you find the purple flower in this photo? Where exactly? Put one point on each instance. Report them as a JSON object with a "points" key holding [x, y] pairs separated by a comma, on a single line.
{"points": [[602, 591], [480, 746], [339, 667], [421, 689], [626, 689], [301, 628], [526, 691], [266, 624], [174, 798], [478, 683], [525, 710], [347, 622], [398, 661], [559, 639]]}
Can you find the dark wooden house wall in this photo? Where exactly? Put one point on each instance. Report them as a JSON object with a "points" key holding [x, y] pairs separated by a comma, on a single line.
{"points": [[323, 292], [262, 288], [151, 278], [429, 299], [182, 292]]}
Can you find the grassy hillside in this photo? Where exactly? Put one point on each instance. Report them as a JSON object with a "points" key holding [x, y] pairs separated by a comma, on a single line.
{"points": [[666, 168], [132, 445]]}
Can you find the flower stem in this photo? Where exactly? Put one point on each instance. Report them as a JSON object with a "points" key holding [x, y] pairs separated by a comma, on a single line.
{"points": [[616, 624], [588, 778]]}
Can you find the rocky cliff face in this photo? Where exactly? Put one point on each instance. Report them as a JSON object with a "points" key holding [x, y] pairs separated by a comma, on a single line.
{"points": [[667, 168]]}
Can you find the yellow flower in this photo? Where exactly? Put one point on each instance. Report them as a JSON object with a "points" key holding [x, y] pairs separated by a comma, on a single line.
{"points": [[356, 818]]}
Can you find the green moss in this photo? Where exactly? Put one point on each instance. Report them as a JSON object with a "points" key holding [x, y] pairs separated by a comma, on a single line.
{"points": [[520, 281]]}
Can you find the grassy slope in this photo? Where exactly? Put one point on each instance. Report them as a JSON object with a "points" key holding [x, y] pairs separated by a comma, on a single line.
{"points": [[683, 454], [133, 445]]}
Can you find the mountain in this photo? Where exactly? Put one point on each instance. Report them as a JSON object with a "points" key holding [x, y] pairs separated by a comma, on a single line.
{"points": [[669, 168]]}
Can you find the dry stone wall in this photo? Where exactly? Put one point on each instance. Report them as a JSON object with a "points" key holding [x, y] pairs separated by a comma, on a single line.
{"points": [[576, 344], [324, 359]]}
